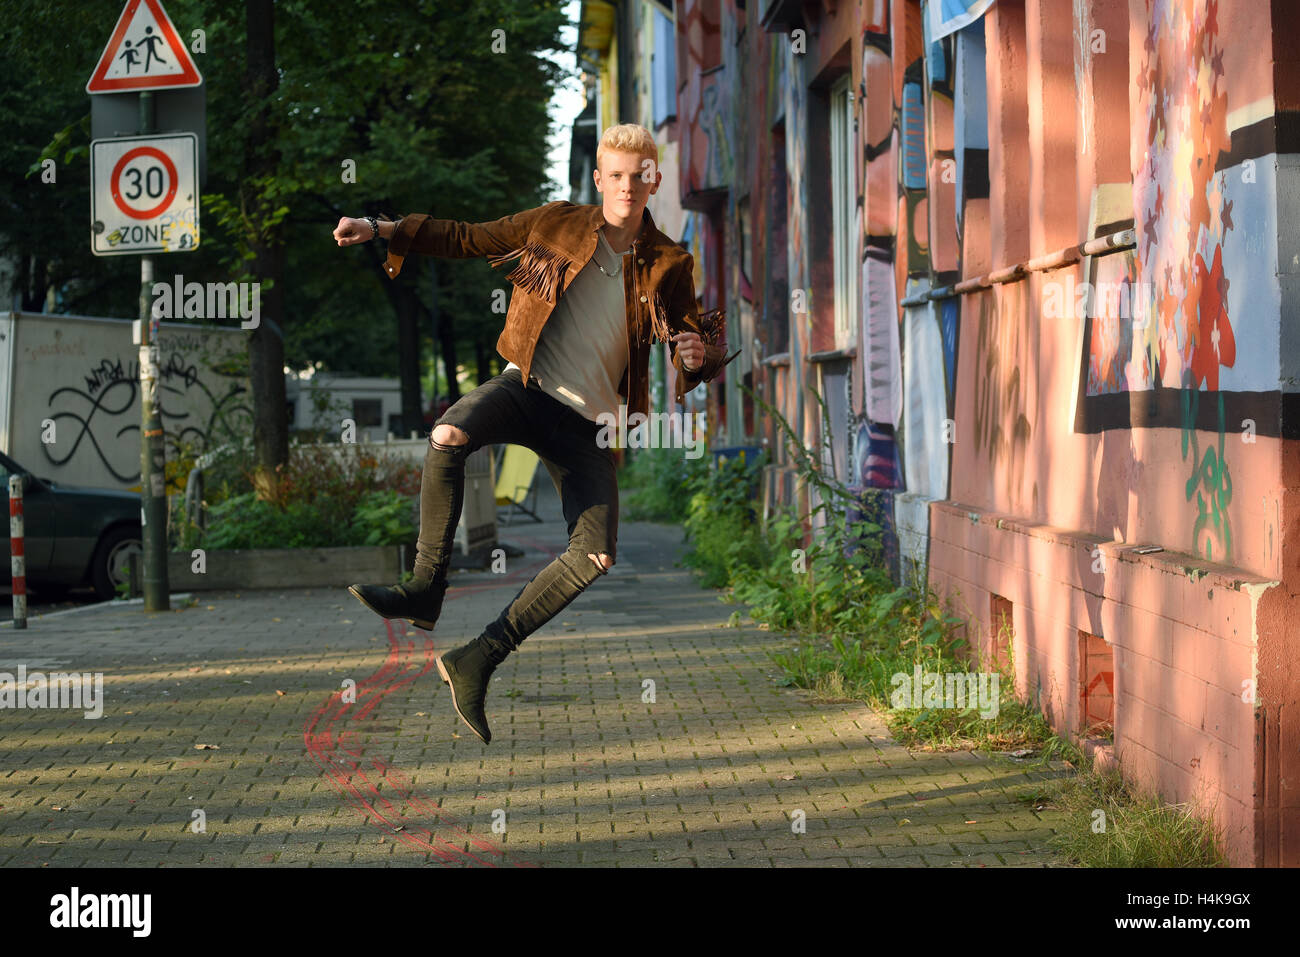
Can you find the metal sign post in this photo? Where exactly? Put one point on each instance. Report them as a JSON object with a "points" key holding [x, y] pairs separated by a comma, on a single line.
{"points": [[153, 449], [145, 200]]}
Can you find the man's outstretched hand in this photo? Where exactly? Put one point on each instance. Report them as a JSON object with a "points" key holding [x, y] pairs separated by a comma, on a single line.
{"points": [[350, 231], [691, 348]]}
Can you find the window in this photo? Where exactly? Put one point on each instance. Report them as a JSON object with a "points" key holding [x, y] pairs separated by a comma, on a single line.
{"points": [[776, 307], [835, 388], [663, 69], [844, 205], [1096, 686], [368, 412]]}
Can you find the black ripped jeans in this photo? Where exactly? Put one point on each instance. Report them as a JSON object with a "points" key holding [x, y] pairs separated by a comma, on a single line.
{"points": [[501, 410]]}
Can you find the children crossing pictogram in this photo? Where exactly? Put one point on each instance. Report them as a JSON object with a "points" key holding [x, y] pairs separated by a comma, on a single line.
{"points": [[144, 53]]}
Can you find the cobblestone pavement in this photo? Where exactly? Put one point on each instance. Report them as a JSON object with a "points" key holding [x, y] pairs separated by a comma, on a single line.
{"points": [[635, 729]]}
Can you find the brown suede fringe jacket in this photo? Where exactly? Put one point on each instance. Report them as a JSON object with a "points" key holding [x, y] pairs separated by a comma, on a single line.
{"points": [[553, 243]]}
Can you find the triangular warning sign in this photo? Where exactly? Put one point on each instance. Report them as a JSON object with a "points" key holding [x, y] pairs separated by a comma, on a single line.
{"points": [[144, 53]]}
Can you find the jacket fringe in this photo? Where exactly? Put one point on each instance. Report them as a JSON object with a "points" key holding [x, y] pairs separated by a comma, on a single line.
{"points": [[540, 271], [661, 331], [713, 326]]}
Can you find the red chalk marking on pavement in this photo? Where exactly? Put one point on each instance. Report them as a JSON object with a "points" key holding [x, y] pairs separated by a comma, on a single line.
{"points": [[323, 740]]}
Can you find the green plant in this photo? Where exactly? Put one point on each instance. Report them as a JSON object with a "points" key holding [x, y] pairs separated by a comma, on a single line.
{"points": [[720, 521], [654, 484], [383, 517], [327, 496], [1109, 824], [823, 567], [821, 576]]}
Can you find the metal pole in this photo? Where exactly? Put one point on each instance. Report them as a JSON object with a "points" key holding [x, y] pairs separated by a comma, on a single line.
{"points": [[153, 450], [17, 559]]}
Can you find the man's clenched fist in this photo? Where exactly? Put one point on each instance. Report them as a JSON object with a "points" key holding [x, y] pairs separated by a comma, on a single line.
{"points": [[350, 231], [691, 349]]}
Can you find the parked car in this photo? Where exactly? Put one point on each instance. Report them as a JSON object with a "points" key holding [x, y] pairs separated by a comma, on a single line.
{"points": [[73, 536]]}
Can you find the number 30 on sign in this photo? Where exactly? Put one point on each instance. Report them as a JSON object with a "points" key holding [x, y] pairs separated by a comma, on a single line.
{"points": [[144, 196]]}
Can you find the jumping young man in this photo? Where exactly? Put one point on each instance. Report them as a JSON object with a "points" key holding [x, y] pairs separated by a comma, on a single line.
{"points": [[594, 287]]}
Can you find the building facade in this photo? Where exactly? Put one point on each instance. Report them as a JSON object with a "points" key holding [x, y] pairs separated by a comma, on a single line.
{"points": [[1029, 270]]}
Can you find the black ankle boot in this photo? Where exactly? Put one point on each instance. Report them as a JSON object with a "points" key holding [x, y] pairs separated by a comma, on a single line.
{"points": [[418, 601], [466, 670]]}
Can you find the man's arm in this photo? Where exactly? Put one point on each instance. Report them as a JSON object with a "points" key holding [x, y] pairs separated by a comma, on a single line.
{"points": [[685, 314], [420, 234]]}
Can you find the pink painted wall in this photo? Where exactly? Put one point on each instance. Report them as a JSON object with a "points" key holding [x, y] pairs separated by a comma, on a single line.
{"points": [[1203, 634]]}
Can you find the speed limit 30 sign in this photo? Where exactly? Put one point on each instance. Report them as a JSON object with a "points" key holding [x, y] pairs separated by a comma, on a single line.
{"points": [[144, 194]]}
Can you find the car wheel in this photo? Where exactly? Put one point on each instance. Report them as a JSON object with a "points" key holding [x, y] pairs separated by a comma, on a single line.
{"points": [[110, 566]]}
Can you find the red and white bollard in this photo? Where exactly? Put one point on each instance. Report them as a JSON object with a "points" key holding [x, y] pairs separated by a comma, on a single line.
{"points": [[17, 561]]}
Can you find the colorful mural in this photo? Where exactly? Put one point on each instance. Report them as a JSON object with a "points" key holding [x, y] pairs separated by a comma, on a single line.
{"points": [[799, 268], [703, 103], [1188, 314]]}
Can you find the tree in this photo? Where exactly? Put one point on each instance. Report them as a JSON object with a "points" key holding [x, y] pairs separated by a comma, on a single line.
{"points": [[427, 107]]}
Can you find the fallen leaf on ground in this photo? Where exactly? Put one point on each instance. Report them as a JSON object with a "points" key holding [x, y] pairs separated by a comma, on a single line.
{"points": [[195, 668], [207, 747], [279, 692], [788, 777]]}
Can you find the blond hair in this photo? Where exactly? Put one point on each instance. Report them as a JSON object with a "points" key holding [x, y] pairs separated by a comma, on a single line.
{"points": [[627, 138]]}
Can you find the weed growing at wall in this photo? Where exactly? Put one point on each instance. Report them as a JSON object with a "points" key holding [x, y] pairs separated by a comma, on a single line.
{"points": [[655, 485], [721, 522], [822, 576], [1108, 824]]}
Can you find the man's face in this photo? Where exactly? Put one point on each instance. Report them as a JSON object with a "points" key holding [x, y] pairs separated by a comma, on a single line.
{"points": [[626, 181]]}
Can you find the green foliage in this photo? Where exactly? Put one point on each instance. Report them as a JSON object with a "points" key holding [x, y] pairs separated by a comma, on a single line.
{"points": [[379, 518], [821, 576], [721, 522], [415, 100], [1109, 824], [654, 485], [385, 518], [327, 496]]}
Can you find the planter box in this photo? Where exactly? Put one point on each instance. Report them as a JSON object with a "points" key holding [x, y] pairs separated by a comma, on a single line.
{"points": [[287, 568]]}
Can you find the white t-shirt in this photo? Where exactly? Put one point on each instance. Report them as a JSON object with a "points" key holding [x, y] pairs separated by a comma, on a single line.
{"points": [[581, 354]]}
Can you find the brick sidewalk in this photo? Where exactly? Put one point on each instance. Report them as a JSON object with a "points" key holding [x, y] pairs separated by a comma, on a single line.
{"points": [[582, 771]]}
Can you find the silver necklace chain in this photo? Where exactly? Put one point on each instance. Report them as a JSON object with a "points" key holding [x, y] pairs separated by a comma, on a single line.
{"points": [[613, 274]]}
